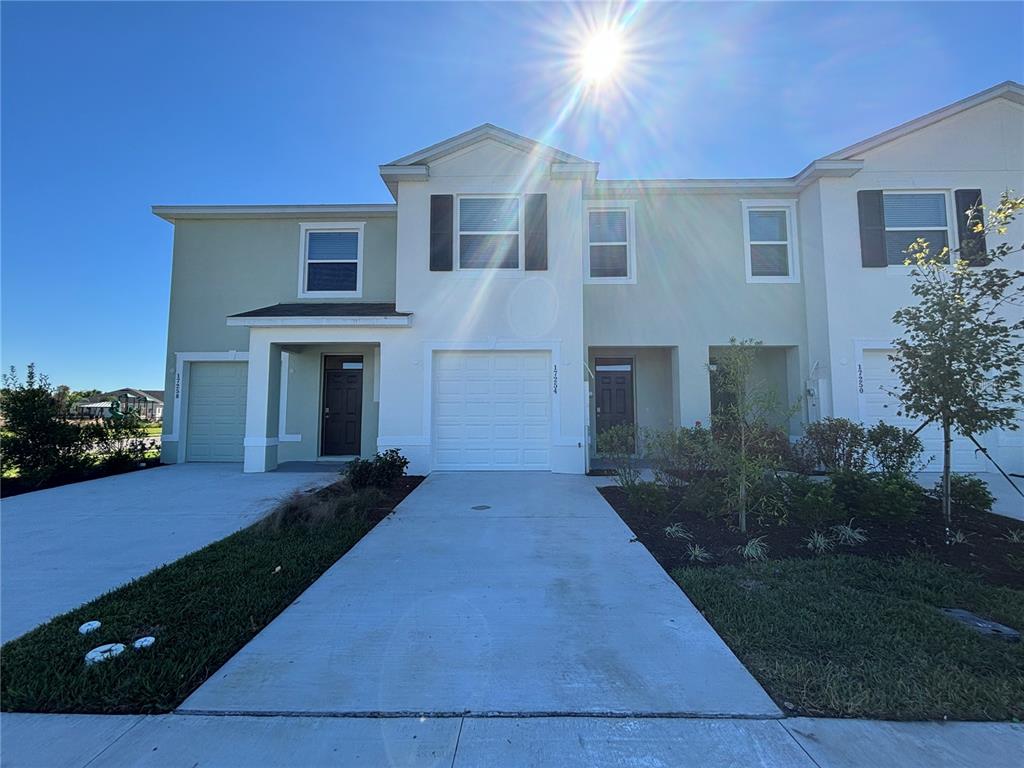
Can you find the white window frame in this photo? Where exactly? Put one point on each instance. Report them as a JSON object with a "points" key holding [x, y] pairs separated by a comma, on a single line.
{"points": [[629, 206], [329, 226], [457, 248], [788, 206], [952, 236]]}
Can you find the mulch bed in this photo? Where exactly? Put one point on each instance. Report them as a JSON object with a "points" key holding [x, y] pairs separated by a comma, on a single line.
{"points": [[985, 553]]}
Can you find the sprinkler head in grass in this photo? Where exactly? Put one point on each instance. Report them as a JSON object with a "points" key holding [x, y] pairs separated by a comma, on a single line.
{"points": [[104, 652], [89, 626]]}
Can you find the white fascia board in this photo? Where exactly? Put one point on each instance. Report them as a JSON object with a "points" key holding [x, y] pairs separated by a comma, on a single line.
{"points": [[172, 212], [348, 321], [478, 134], [585, 171]]}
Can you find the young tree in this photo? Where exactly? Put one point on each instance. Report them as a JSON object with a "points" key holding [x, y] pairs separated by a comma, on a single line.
{"points": [[960, 356], [743, 422]]}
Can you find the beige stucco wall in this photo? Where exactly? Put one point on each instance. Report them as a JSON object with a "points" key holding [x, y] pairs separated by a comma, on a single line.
{"points": [[691, 290], [225, 266]]}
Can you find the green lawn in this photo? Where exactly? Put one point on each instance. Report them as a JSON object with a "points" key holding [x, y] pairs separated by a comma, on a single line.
{"points": [[152, 430], [201, 609], [847, 636]]}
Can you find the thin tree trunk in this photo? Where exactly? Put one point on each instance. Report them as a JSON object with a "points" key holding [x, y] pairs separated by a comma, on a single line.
{"points": [[743, 477], [947, 442]]}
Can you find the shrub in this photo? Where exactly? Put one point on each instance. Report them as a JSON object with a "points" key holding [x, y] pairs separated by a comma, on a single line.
{"points": [[677, 531], [812, 503], [682, 454], [755, 549], [647, 497], [836, 445], [697, 554], [379, 472], [894, 497], [39, 440], [619, 445], [849, 536], [967, 493], [819, 543], [121, 440], [704, 495], [896, 451]]}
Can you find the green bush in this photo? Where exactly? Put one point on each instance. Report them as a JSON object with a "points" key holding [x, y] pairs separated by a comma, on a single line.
{"points": [[967, 493], [379, 472], [679, 455], [705, 495], [836, 445], [40, 441], [812, 503], [121, 440], [896, 451], [886, 497], [648, 497], [619, 445]]}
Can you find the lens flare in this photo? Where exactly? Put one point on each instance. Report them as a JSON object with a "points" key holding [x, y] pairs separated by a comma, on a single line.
{"points": [[601, 56]]}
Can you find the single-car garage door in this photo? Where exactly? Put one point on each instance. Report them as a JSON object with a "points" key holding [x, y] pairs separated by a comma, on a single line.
{"points": [[216, 412], [877, 381], [492, 410]]}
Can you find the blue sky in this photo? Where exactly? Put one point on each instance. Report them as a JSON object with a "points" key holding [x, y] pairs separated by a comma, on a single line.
{"points": [[110, 108]]}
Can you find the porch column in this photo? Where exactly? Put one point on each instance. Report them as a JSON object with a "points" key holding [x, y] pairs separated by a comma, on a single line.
{"points": [[261, 404], [694, 385]]}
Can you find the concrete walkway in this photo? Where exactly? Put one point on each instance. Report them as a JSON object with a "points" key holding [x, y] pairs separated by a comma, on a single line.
{"points": [[64, 546], [511, 593], [74, 741]]}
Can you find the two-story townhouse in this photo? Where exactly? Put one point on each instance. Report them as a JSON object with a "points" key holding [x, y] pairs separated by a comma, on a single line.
{"points": [[511, 304]]}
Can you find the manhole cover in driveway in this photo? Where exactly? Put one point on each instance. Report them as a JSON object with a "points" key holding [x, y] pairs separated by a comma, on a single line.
{"points": [[481, 506]]}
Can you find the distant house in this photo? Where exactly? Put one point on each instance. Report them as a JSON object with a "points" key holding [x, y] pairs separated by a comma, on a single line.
{"points": [[148, 403]]}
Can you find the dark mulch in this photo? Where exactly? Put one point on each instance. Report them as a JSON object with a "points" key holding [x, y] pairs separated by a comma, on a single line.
{"points": [[15, 486], [201, 609], [986, 553]]}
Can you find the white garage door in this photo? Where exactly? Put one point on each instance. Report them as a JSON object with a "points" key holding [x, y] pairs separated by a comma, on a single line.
{"points": [[216, 412], [877, 405], [492, 410]]}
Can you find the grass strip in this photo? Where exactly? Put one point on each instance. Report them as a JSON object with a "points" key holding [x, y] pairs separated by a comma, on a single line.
{"points": [[201, 609], [847, 636]]}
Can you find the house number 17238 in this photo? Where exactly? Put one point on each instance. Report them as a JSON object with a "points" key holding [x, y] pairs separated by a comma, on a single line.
{"points": [[554, 379]]}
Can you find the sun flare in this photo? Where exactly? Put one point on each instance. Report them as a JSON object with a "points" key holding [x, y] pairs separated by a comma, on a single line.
{"points": [[601, 57]]}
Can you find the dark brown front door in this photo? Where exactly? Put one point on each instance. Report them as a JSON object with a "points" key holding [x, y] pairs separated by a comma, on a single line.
{"points": [[614, 391], [343, 406]]}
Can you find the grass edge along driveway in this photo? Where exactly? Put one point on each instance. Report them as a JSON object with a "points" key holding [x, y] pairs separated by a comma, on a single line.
{"points": [[201, 609], [847, 636]]}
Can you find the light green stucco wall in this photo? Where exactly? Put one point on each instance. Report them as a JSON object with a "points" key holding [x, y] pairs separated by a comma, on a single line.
{"points": [[304, 407], [225, 266]]}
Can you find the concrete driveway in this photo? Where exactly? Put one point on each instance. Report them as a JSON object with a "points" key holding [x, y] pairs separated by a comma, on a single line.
{"points": [[490, 593], [63, 546]]}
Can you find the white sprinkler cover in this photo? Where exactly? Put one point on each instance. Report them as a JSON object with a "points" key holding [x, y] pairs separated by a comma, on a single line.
{"points": [[104, 652], [143, 642], [89, 626]]}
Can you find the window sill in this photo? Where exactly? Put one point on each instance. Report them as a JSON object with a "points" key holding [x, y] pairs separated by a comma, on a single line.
{"points": [[753, 280], [609, 280], [330, 295]]}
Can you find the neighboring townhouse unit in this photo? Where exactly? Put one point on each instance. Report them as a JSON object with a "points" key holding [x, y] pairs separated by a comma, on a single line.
{"points": [[510, 304]]}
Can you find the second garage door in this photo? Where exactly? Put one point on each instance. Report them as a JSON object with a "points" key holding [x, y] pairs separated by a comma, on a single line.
{"points": [[877, 404], [492, 410], [216, 412]]}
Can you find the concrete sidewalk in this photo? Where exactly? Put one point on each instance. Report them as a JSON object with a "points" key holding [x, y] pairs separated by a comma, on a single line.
{"points": [[75, 741], [490, 592], [65, 546]]}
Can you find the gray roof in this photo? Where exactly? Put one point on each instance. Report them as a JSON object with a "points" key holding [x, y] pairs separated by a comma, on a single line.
{"points": [[326, 309]]}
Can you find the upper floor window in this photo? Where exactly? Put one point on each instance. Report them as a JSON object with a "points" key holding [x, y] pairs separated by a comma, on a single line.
{"points": [[332, 260], [488, 232], [769, 233], [610, 249], [913, 215]]}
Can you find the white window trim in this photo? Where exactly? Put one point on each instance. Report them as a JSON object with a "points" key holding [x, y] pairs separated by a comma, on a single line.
{"points": [[330, 226], [789, 207], [457, 246], [629, 206], [952, 234]]}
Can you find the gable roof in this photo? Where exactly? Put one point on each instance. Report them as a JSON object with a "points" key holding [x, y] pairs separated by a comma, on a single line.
{"points": [[1010, 90], [478, 134]]}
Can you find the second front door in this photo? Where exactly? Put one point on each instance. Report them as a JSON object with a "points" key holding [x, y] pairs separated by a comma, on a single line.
{"points": [[343, 406]]}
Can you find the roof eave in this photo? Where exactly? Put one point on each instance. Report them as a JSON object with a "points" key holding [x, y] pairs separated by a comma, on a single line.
{"points": [[172, 213]]}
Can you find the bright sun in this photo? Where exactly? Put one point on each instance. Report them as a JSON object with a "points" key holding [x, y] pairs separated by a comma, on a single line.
{"points": [[601, 57]]}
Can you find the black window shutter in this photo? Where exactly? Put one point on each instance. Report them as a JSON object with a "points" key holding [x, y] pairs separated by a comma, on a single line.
{"points": [[872, 228], [442, 226], [972, 244], [537, 231]]}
